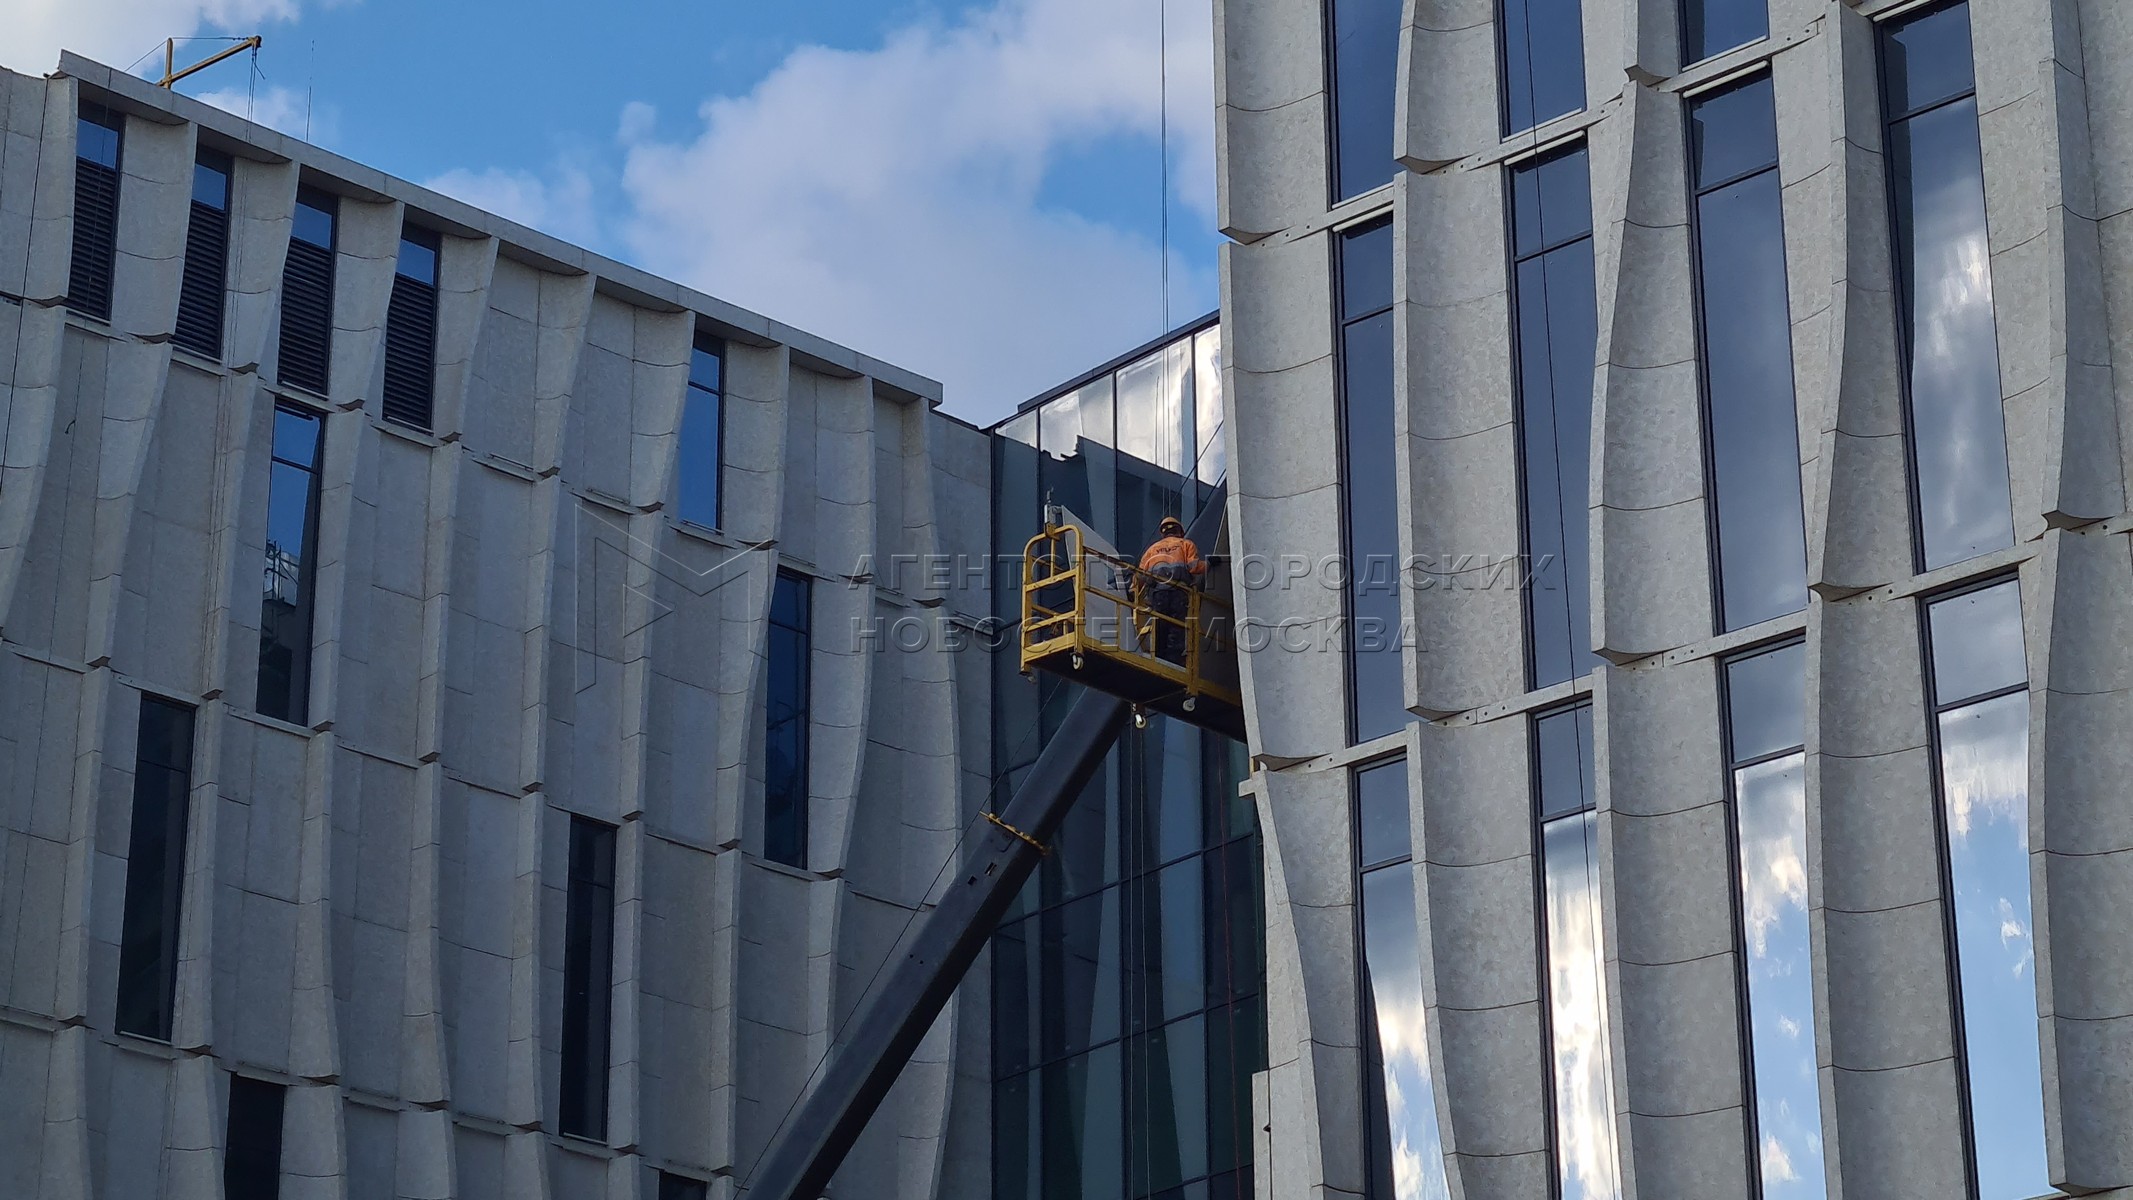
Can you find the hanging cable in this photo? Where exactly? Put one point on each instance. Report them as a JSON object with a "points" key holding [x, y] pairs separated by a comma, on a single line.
{"points": [[1162, 174]]}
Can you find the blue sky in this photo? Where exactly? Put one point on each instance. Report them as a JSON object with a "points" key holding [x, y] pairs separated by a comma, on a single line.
{"points": [[968, 189]]}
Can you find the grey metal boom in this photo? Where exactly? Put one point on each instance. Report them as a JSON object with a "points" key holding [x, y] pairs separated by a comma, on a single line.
{"points": [[891, 1022]]}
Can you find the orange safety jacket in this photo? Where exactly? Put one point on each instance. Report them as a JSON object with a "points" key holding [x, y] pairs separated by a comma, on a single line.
{"points": [[1173, 550]]}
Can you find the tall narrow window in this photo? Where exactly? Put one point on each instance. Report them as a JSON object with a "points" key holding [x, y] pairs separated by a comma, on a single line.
{"points": [[681, 1187], [292, 548], [1541, 48], [1711, 27], [1399, 1086], [1944, 277], [588, 976], [1765, 698], [98, 138], [1557, 327], [1363, 73], [703, 428], [785, 722], [155, 869], [207, 252], [251, 1157], [1368, 485], [307, 292], [1981, 731], [1746, 323], [411, 331], [1574, 957]]}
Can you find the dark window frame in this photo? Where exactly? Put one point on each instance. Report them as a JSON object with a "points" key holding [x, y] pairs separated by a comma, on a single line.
{"points": [[1543, 967], [583, 1101], [1951, 946], [802, 793], [1905, 336], [408, 392], [1343, 321], [1530, 666], [167, 892], [207, 231], [1697, 190], [715, 346], [1684, 51], [1744, 1011], [1330, 29], [94, 300], [327, 259], [1505, 129], [242, 1161], [298, 711]]}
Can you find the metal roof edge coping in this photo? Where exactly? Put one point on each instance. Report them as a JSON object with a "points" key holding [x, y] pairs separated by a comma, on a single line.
{"points": [[235, 134]]}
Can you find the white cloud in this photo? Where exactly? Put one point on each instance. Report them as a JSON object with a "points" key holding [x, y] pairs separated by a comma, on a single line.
{"points": [[890, 198], [560, 204], [118, 32], [282, 108]]}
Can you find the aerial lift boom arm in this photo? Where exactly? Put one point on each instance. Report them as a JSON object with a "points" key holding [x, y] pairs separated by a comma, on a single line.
{"points": [[891, 1021]]}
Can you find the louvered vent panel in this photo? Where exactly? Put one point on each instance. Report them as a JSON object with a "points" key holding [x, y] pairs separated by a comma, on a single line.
{"points": [[207, 244], [307, 316], [410, 352], [96, 189]]}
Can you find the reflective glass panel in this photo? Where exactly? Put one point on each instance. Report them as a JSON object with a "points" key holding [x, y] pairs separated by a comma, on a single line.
{"points": [[1083, 1150], [1017, 1139], [1977, 643], [701, 471], [1577, 1010], [155, 869], [1770, 811], [1407, 1160], [785, 722], [1925, 59], [1557, 327], [1369, 484], [1984, 757], [1166, 976], [1366, 54], [418, 256], [1151, 407], [284, 682], [314, 218], [1936, 177], [1766, 702], [1017, 998], [1711, 27], [1563, 741], [1381, 813], [1747, 351], [1082, 953], [1543, 55], [98, 142], [1166, 1104], [211, 182], [1207, 387]]}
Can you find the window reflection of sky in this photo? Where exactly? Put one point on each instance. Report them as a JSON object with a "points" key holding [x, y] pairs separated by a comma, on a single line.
{"points": [[1984, 750], [1392, 945], [1771, 807], [1584, 1100]]}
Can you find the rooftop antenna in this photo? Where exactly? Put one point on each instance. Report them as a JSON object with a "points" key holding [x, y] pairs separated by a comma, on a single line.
{"points": [[171, 73]]}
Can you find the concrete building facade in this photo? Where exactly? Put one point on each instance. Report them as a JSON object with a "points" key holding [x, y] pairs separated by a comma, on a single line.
{"points": [[1716, 403], [390, 594]]}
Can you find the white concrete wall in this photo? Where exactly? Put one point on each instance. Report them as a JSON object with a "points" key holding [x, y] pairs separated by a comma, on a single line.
{"points": [[2056, 96], [511, 627]]}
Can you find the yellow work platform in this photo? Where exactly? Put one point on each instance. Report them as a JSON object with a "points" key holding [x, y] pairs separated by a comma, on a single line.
{"points": [[1087, 616]]}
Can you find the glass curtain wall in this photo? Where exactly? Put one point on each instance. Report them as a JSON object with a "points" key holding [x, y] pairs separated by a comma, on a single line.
{"points": [[1944, 284], [1362, 73], [1556, 330], [1541, 52], [1574, 957], [1712, 27], [1369, 485], [1750, 426], [1981, 732], [1127, 977], [1765, 707], [1399, 1084]]}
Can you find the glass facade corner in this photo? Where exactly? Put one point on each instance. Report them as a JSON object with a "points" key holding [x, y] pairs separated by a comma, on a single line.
{"points": [[1127, 978]]}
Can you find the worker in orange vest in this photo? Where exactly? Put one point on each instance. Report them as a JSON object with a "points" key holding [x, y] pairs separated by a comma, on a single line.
{"points": [[1166, 566]]}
